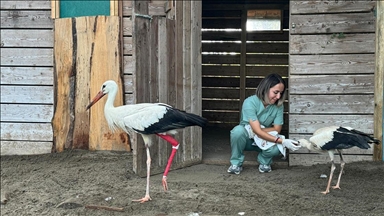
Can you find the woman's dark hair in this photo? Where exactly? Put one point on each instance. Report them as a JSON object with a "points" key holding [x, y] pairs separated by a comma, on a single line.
{"points": [[266, 84]]}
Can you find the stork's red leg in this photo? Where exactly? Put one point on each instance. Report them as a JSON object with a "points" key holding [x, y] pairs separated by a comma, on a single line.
{"points": [[175, 146]]}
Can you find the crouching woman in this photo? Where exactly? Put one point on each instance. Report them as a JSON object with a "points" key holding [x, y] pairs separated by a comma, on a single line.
{"points": [[262, 118]]}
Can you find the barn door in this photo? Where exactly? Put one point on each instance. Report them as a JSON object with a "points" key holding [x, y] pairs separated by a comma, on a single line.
{"points": [[168, 70]]}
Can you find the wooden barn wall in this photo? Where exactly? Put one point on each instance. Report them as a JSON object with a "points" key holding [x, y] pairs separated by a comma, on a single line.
{"points": [[332, 66], [26, 77], [234, 62]]}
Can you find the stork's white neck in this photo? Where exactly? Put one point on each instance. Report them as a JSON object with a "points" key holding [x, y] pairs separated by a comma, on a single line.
{"points": [[109, 109]]}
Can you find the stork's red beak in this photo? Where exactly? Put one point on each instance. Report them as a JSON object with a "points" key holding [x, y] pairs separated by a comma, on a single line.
{"points": [[95, 99]]}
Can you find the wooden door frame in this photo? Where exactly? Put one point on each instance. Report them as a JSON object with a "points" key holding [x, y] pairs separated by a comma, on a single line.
{"points": [[115, 8]]}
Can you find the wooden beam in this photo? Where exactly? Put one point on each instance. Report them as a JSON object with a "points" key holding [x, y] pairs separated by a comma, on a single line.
{"points": [[114, 8], [55, 9], [379, 77]]}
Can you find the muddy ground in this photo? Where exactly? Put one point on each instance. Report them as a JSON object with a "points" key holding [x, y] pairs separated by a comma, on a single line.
{"points": [[65, 183]]}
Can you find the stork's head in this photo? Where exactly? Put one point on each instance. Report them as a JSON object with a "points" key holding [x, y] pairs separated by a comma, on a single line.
{"points": [[107, 87], [308, 144]]}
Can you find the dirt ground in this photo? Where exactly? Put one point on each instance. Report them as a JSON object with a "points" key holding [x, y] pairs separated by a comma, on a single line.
{"points": [[65, 183]]}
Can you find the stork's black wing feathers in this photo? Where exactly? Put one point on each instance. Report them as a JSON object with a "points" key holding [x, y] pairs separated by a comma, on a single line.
{"points": [[344, 138], [175, 119]]}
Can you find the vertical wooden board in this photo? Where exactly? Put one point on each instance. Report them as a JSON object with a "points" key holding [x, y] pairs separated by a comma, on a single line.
{"points": [[163, 79], [171, 67], [379, 82], [141, 50], [153, 80], [105, 65], [83, 67], [196, 74], [186, 141], [64, 67], [179, 71]]}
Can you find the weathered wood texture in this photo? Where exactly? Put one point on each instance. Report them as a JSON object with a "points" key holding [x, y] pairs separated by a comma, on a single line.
{"points": [[86, 54], [379, 82], [26, 77], [166, 55], [234, 61], [331, 71]]}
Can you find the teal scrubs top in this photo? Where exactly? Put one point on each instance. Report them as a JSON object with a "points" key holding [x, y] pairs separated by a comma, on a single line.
{"points": [[253, 109]]}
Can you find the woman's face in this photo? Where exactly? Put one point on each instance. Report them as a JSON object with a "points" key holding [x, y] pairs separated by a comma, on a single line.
{"points": [[275, 93]]}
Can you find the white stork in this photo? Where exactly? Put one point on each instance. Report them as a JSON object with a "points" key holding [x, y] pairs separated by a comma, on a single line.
{"points": [[146, 119], [336, 138]]}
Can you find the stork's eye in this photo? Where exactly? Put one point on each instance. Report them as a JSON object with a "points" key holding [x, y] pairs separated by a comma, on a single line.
{"points": [[103, 87]]}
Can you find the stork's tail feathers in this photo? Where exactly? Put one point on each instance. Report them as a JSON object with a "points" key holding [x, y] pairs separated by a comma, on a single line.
{"points": [[194, 119], [367, 137]]}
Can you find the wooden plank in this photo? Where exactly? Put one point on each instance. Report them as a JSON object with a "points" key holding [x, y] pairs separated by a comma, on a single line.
{"points": [[308, 124], [220, 59], [268, 59], [331, 84], [255, 36], [26, 38], [379, 82], [187, 139], [212, 70], [196, 82], [27, 75], [266, 70], [179, 68], [155, 8], [207, 12], [141, 51], [29, 19], [332, 44], [26, 5], [129, 65], [62, 120], [127, 26], [221, 23], [275, 47], [27, 94], [343, 6], [26, 132], [221, 35], [26, 57], [221, 47], [163, 82], [127, 46], [228, 93], [153, 88], [222, 117], [105, 48], [129, 86], [221, 104], [327, 104], [261, 71], [332, 64], [26, 113], [312, 159], [129, 99], [25, 148], [220, 82], [333, 23]]}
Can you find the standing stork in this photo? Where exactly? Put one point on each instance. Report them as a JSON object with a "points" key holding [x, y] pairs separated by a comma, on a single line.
{"points": [[146, 119], [336, 138]]}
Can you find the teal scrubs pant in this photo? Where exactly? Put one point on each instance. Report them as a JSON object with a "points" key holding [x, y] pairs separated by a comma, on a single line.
{"points": [[240, 142]]}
